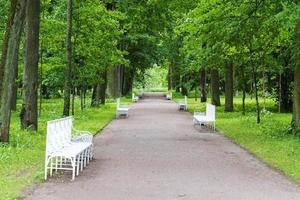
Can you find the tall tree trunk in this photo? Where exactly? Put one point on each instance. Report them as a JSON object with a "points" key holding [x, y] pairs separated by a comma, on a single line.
{"points": [[256, 94], [9, 68], [103, 87], [296, 113], [84, 97], [203, 85], [15, 83], [68, 71], [229, 88], [215, 89], [29, 112], [114, 83], [97, 98], [93, 100], [128, 81], [170, 77], [184, 89], [297, 98], [73, 101], [81, 98], [285, 100], [244, 86], [11, 16]]}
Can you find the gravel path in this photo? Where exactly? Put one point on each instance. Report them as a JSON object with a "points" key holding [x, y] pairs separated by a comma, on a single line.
{"points": [[157, 154]]}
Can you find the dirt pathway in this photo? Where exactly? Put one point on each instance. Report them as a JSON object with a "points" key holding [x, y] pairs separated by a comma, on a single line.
{"points": [[157, 154]]}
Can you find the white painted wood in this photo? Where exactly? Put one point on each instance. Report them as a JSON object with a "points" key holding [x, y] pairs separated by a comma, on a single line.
{"points": [[183, 105], [121, 109], [135, 99], [207, 118]]}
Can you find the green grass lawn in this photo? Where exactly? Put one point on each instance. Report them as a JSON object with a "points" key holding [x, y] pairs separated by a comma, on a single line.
{"points": [[22, 161], [269, 140]]}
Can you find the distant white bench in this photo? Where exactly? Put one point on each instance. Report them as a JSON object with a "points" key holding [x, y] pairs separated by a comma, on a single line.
{"points": [[122, 110], [169, 96], [183, 105], [64, 152], [207, 118], [141, 95], [135, 99]]}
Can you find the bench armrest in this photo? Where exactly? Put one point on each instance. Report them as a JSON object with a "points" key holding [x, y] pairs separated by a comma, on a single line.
{"points": [[82, 136]]}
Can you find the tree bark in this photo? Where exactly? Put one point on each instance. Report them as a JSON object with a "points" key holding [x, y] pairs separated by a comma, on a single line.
{"points": [[170, 77], [215, 89], [184, 89], [73, 101], [9, 69], [114, 83], [103, 87], [81, 98], [14, 98], [297, 99], [29, 112], [203, 85], [11, 15], [68, 70], [296, 113], [254, 71], [93, 100], [84, 97], [244, 88], [128, 81], [229, 88], [285, 100]]}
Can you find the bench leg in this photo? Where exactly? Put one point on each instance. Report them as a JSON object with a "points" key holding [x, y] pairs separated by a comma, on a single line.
{"points": [[82, 160], [214, 127], [56, 164], [51, 167], [73, 162], [92, 152], [77, 164], [46, 167], [86, 156]]}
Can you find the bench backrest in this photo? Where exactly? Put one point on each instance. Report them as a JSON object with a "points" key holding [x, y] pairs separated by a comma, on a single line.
{"points": [[58, 134], [211, 112], [185, 102]]}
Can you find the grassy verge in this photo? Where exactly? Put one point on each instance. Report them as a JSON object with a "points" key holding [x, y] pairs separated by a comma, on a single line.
{"points": [[22, 161], [269, 140]]}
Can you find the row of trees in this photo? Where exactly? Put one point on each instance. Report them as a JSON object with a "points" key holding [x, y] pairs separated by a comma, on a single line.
{"points": [[246, 45], [103, 47], [20, 10], [75, 47]]}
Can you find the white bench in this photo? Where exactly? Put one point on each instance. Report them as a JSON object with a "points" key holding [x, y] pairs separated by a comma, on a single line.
{"points": [[169, 96], [142, 94], [122, 110], [207, 118], [135, 99], [183, 105], [64, 152]]}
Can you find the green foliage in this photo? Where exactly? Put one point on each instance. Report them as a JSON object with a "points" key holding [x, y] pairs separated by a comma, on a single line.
{"points": [[155, 79], [252, 35]]}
